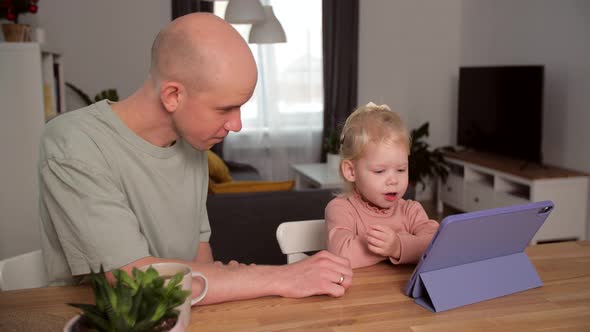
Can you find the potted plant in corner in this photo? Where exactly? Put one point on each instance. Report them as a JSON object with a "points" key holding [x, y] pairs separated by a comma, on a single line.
{"points": [[425, 162], [332, 147], [10, 10], [110, 94], [142, 302]]}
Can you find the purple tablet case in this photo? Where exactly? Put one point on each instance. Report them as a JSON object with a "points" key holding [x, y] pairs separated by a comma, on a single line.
{"points": [[478, 256]]}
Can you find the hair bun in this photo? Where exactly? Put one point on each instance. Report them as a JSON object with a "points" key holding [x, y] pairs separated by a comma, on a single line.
{"points": [[382, 106]]}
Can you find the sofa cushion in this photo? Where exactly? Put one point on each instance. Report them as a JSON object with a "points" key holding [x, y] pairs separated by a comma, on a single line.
{"points": [[250, 186], [218, 170]]}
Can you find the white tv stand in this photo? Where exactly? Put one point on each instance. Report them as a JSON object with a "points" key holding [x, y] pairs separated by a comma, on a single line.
{"points": [[480, 181]]}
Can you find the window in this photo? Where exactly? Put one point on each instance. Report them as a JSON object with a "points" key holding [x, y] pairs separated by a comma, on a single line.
{"points": [[286, 110]]}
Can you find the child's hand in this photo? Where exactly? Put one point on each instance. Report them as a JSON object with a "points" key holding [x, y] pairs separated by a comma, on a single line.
{"points": [[383, 241]]}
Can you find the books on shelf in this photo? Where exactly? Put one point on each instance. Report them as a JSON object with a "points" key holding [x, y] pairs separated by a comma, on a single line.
{"points": [[53, 84], [48, 103]]}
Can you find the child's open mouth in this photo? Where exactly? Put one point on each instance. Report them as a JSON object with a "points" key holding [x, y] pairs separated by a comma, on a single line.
{"points": [[390, 196]]}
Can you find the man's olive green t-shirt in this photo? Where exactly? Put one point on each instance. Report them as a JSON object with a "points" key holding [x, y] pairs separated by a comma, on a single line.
{"points": [[109, 197]]}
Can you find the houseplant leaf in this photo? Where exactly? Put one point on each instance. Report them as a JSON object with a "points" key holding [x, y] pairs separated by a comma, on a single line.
{"points": [[141, 302], [425, 162]]}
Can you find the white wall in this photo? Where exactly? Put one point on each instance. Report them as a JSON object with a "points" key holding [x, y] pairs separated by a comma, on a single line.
{"points": [[409, 53], [105, 44], [553, 33], [408, 58]]}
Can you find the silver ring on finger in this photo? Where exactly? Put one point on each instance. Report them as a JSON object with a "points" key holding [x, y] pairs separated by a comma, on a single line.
{"points": [[341, 279]]}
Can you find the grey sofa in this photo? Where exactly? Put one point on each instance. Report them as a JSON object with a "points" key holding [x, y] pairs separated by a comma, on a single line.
{"points": [[243, 225]]}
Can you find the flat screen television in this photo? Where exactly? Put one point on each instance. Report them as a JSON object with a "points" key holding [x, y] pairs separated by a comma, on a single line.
{"points": [[501, 110]]}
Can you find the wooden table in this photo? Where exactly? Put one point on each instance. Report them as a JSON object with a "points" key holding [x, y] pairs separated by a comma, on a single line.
{"points": [[374, 303]]}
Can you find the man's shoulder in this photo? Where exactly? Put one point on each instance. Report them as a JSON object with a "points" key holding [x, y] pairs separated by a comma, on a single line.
{"points": [[71, 123], [71, 132]]}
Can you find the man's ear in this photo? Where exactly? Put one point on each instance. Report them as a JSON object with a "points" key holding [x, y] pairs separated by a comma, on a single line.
{"points": [[172, 94], [347, 167]]}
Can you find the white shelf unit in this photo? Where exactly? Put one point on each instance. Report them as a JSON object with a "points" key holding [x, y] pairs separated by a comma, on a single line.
{"points": [[26, 71], [472, 187]]}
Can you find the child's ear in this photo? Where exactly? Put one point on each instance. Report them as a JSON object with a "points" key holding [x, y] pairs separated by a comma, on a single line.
{"points": [[347, 167]]}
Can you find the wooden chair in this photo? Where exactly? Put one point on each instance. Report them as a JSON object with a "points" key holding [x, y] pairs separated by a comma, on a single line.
{"points": [[298, 237], [23, 271]]}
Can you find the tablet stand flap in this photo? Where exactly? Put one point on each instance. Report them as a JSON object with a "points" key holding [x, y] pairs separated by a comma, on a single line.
{"points": [[478, 281]]}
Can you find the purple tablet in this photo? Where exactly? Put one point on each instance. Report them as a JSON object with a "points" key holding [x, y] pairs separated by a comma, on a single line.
{"points": [[477, 256]]}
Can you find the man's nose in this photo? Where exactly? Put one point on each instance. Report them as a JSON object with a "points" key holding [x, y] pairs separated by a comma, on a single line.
{"points": [[234, 123]]}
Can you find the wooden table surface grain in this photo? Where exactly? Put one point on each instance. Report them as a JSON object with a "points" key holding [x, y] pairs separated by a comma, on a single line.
{"points": [[375, 302]]}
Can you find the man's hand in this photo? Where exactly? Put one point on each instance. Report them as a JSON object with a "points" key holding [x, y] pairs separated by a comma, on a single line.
{"points": [[383, 241], [321, 273]]}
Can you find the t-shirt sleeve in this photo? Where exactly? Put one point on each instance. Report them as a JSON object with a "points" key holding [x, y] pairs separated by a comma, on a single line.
{"points": [[421, 229], [343, 238], [91, 216], [205, 230]]}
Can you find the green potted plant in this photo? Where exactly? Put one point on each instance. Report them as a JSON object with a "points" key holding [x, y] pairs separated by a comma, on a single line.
{"points": [[332, 147], [141, 302], [425, 162], [110, 94], [10, 10]]}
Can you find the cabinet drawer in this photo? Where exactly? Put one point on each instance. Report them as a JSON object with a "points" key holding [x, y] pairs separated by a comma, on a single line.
{"points": [[478, 197], [452, 191]]}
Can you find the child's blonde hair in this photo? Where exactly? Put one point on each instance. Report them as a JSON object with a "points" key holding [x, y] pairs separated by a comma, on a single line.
{"points": [[370, 124]]}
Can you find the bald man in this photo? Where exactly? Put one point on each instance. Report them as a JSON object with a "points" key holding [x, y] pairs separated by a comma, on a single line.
{"points": [[125, 184]]}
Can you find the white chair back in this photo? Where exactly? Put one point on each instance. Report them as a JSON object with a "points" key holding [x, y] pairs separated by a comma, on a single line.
{"points": [[297, 237], [23, 271]]}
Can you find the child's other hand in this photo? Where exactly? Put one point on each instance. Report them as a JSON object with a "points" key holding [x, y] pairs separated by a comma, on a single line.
{"points": [[383, 241]]}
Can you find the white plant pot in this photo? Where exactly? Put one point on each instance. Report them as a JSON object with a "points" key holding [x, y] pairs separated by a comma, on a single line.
{"points": [[333, 161], [72, 325]]}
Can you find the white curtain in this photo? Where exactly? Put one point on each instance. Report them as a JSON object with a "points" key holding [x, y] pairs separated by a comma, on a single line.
{"points": [[282, 123]]}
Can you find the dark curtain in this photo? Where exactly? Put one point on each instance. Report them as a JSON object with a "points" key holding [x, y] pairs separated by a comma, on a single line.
{"points": [[340, 51], [183, 7]]}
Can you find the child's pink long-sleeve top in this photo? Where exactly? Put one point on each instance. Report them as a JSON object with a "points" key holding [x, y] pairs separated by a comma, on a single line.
{"points": [[348, 218]]}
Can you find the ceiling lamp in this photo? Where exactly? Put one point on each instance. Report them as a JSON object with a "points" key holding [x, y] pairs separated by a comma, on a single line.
{"points": [[244, 12], [267, 31]]}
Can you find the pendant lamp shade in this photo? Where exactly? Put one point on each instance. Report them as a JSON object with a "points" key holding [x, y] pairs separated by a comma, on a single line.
{"points": [[244, 12], [267, 31]]}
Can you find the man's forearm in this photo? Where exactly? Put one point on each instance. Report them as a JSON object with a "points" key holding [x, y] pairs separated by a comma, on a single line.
{"points": [[234, 282], [323, 273], [226, 282]]}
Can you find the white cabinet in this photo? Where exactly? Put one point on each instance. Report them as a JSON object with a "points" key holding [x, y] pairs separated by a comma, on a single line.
{"points": [[481, 181], [451, 192], [29, 82]]}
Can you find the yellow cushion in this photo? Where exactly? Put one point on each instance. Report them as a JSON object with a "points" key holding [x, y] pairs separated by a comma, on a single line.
{"points": [[250, 186], [218, 171]]}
